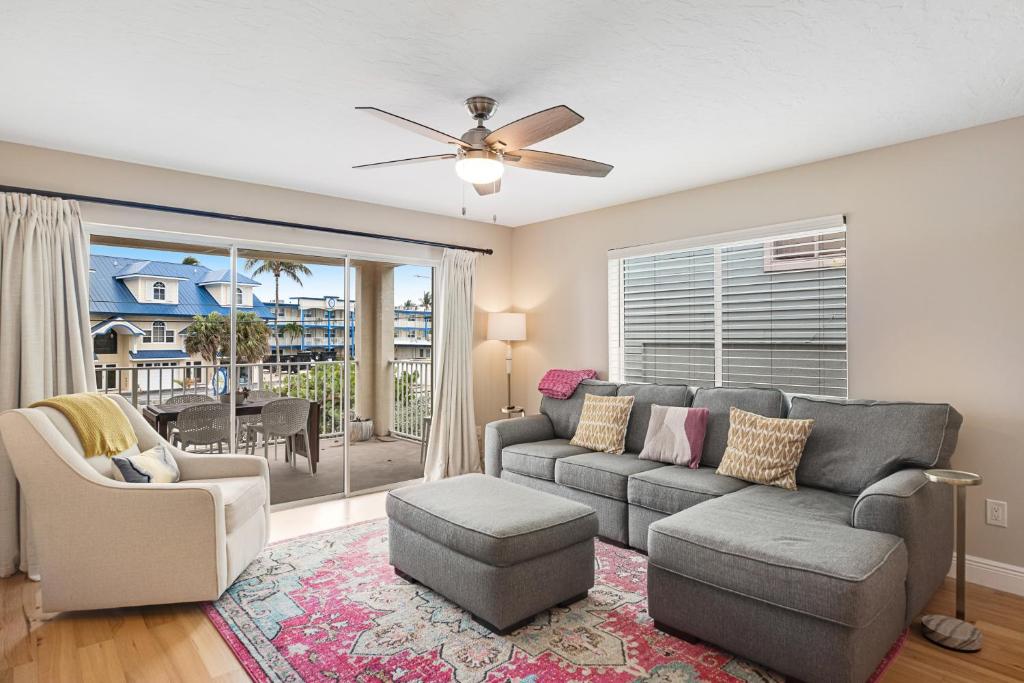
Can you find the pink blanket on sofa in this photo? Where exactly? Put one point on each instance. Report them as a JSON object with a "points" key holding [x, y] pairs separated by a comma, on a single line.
{"points": [[562, 383]]}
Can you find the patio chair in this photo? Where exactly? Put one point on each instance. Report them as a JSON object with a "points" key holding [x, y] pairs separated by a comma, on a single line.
{"points": [[246, 421], [284, 418], [204, 424], [185, 399]]}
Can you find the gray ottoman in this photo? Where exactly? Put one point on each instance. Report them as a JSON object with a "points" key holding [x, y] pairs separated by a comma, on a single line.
{"points": [[501, 551]]}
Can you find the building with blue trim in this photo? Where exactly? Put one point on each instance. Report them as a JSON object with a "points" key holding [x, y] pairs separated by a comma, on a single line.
{"points": [[140, 309]]}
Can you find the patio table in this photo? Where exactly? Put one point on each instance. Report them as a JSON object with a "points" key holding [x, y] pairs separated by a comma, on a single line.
{"points": [[159, 415]]}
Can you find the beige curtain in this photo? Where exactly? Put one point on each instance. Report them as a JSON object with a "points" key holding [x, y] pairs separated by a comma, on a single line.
{"points": [[452, 448], [45, 341]]}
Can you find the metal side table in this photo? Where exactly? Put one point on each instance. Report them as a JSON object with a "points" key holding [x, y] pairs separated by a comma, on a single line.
{"points": [[955, 633]]}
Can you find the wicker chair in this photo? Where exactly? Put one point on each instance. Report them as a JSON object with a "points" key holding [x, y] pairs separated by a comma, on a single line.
{"points": [[246, 421], [284, 418], [204, 424], [185, 399]]}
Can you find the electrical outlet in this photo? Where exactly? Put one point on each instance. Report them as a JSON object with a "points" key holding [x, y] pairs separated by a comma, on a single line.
{"points": [[995, 512]]}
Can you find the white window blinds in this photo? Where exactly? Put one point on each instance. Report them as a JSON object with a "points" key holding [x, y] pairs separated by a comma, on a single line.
{"points": [[768, 310]]}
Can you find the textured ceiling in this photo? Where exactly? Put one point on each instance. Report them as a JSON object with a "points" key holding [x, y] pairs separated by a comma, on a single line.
{"points": [[675, 94]]}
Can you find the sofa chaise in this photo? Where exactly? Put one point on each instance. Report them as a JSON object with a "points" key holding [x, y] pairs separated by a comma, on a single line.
{"points": [[816, 583]]}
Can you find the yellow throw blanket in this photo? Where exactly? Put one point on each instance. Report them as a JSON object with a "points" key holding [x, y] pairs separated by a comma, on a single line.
{"points": [[101, 426]]}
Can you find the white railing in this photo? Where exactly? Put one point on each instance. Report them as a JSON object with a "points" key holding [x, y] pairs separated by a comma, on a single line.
{"points": [[320, 381], [413, 381]]}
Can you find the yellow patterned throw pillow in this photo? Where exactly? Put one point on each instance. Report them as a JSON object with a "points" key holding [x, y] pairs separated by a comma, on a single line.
{"points": [[764, 450], [603, 423]]}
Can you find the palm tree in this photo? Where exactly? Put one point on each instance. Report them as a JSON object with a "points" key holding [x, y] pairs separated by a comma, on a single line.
{"points": [[289, 269], [252, 335], [206, 336], [427, 300], [190, 261], [209, 336], [292, 329], [408, 304]]}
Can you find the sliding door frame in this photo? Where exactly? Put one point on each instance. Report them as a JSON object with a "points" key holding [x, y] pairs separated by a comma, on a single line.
{"points": [[233, 246]]}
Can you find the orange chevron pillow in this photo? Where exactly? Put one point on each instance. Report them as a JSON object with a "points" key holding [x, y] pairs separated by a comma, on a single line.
{"points": [[764, 450], [603, 423]]}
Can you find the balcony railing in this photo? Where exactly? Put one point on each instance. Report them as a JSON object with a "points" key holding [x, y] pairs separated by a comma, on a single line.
{"points": [[320, 381], [413, 380]]}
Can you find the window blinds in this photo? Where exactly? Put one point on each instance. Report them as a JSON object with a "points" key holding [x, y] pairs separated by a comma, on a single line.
{"points": [[752, 312]]}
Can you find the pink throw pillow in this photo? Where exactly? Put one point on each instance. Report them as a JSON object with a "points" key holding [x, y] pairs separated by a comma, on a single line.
{"points": [[675, 435]]}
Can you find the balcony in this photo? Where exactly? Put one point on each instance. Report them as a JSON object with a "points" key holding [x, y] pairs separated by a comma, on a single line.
{"points": [[387, 453]]}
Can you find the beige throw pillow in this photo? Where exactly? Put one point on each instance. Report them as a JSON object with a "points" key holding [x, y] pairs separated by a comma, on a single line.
{"points": [[764, 450], [603, 423]]}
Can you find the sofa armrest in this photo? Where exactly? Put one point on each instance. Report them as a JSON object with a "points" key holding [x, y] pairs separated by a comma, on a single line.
{"points": [[920, 512], [503, 433]]}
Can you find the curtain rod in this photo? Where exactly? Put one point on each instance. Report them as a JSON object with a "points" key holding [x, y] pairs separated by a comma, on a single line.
{"points": [[238, 218]]}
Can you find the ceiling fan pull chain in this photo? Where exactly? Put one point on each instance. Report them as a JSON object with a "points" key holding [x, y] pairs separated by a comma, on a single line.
{"points": [[463, 186]]}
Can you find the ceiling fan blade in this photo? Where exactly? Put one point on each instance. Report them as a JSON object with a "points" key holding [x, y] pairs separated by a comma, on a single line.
{"points": [[533, 128], [559, 163], [411, 160], [485, 189], [426, 131]]}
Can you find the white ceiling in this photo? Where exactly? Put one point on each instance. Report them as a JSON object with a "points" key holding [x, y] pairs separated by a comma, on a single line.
{"points": [[675, 94]]}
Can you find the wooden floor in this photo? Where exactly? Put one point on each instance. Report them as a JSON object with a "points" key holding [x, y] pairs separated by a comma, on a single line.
{"points": [[178, 643]]}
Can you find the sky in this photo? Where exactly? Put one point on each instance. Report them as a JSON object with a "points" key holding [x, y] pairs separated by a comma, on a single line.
{"points": [[410, 281]]}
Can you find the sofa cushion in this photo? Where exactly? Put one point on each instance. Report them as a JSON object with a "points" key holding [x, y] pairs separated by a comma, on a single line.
{"points": [[491, 520], [603, 423], [565, 414], [242, 497], [857, 443], [671, 489], [537, 459], [764, 450], [603, 474], [718, 400], [786, 548], [644, 396]]}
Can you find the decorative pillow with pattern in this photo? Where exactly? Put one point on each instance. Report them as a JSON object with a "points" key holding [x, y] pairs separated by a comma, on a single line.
{"points": [[603, 423], [675, 435], [155, 466], [764, 450]]}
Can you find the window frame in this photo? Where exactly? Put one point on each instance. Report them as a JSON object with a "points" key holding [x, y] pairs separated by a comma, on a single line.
{"points": [[161, 287], [624, 365]]}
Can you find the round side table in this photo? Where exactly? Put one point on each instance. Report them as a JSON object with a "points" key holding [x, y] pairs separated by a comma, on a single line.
{"points": [[514, 411], [956, 634]]}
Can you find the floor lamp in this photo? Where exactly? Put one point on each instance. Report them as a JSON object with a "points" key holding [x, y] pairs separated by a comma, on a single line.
{"points": [[507, 327]]}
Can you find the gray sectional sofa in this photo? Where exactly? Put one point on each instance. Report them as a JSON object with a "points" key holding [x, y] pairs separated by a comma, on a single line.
{"points": [[816, 583]]}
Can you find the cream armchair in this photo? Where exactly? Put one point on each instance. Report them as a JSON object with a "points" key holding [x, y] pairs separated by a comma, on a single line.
{"points": [[104, 543]]}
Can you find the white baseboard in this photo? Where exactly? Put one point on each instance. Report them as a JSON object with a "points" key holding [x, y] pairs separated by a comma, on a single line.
{"points": [[992, 574]]}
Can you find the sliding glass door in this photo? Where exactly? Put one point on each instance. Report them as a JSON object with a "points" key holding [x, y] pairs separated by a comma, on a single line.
{"points": [[320, 363]]}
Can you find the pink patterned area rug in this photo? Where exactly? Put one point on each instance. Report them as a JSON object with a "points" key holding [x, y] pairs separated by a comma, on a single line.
{"points": [[328, 607]]}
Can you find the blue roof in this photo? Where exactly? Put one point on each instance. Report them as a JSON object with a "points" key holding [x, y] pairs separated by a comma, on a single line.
{"points": [[224, 276], [172, 354], [150, 268], [110, 296]]}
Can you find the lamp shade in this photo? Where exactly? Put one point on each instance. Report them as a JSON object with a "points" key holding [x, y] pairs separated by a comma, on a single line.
{"points": [[506, 326]]}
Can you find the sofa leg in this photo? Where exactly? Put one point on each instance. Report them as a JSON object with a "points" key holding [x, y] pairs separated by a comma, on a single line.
{"points": [[675, 633], [617, 544], [402, 575]]}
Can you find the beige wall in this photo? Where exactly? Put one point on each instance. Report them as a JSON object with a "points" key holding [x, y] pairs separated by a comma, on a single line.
{"points": [[936, 243], [26, 166]]}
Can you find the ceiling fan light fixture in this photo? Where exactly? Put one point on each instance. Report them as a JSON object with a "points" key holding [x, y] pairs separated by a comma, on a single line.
{"points": [[479, 167]]}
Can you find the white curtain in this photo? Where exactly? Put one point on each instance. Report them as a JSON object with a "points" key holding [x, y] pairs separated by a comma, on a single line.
{"points": [[45, 341], [452, 448]]}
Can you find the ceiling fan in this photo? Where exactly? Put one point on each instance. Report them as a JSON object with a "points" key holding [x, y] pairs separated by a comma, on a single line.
{"points": [[481, 154]]}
